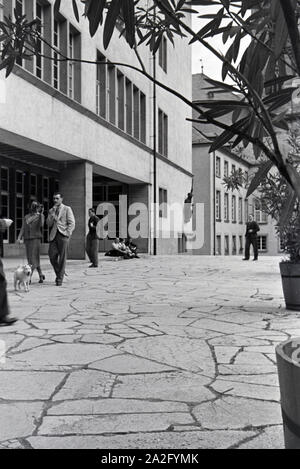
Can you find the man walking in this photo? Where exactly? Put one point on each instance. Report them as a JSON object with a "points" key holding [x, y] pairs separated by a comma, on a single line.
{"points": [[92, 240], [251, 238], [61, 222]]}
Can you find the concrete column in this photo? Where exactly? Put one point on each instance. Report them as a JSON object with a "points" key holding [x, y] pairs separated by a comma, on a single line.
{"points": [[140, 193], [76, 185]]}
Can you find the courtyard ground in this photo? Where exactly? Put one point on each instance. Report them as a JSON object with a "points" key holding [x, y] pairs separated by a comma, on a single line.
{"points": [[160, 352]]}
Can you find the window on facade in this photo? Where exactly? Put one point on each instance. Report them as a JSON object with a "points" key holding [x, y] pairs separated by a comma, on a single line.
{"points": [[233, 208], [136, 113], [259, 215], [121, 100], [111, 93], [241, 247], [33, 186], [218, 205], [4, 197], [39, 13], [128, 107], [233, 168], [226, 207], [101, 87], [71, 66], [234, 245], [19, 5], [19, 202], [218, 246], [142, 117], [163, 203], [226, 169], [163, 54], [218, 167], [262, 243], [46, 196], [162, 133], [226, 245], [56, 63], [246, 209], [280, 245], [240, 210]]}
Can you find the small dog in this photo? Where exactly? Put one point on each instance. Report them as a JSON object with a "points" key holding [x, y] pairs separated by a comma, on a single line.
{"points": [[22, 276]]}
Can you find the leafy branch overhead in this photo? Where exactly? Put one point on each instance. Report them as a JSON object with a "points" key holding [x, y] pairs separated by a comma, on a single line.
{"points": [[261, 61]]}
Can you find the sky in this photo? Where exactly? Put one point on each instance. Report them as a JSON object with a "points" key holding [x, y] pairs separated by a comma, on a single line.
{"points": [[200, 55]]}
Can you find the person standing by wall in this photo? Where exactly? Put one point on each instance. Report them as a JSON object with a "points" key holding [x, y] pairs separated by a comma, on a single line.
{"points": [[61, 222], [32, 233], [92, 240], [5, 318], [252, 229]]}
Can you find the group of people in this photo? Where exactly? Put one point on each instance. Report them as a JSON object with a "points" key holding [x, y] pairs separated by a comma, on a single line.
{"points": [[122, 249], [61, 223]]}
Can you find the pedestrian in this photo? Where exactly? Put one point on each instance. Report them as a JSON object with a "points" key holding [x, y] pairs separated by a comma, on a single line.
{"points": [[61, 222], [92, 240], [32, 233], [5, 318], [252, 229]]}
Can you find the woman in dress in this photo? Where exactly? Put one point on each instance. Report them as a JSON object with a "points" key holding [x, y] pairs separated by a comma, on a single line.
{"points": [[31, 232]]}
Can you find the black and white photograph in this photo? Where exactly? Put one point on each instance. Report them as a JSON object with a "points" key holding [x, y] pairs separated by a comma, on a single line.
{"points": [[149, 227]]}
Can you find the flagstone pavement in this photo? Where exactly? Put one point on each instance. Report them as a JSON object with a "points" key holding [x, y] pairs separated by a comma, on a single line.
{"points": [[158, 352]]}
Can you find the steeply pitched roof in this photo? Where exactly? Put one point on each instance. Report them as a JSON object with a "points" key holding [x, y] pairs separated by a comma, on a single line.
{"points": [[203, 133]]}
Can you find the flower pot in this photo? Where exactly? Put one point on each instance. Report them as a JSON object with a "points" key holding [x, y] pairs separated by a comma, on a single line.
{"points": [[290, 276], [288, 364]]}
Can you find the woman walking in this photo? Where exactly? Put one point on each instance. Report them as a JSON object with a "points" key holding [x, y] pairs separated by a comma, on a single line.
{"points": [[31, 232]]}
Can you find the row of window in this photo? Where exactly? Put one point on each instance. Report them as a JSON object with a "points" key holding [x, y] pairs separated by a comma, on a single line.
{"points": [[17, 191], [237, 245], [225, 168], [118, 100], [239, 209]]}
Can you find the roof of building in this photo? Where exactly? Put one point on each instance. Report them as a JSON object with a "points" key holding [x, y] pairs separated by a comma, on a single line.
{"points": [[203, 133]]}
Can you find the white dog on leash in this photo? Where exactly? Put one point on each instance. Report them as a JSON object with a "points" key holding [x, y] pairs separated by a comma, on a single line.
{"points": [[22, 276]]}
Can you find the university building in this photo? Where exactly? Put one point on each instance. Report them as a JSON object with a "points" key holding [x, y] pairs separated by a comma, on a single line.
{"points": [[225, 211], [90, 130]]}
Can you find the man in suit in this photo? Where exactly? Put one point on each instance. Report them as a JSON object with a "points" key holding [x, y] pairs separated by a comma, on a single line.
{"points": [[61, 222], [5, 319], [251, 238]]}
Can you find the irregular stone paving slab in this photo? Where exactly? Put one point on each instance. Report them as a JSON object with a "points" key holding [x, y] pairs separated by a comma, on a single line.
{"points": [[245, 358], [115, 406], [129, 364], [184, 387], [18, 419], [86, 383], [28, 385], [221, 326], [57, 356], [254, 391], [269, 438], [239, 341], [266, 380], [251, 369], [29, 344], [56, 325], [162, 440], [98, 425], [237, 413], [100, 339], [194, 355], [226, 354]]}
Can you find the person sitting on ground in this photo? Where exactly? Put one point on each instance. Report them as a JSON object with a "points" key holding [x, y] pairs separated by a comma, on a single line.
{"points": [[132, 247], [118, 249]]}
